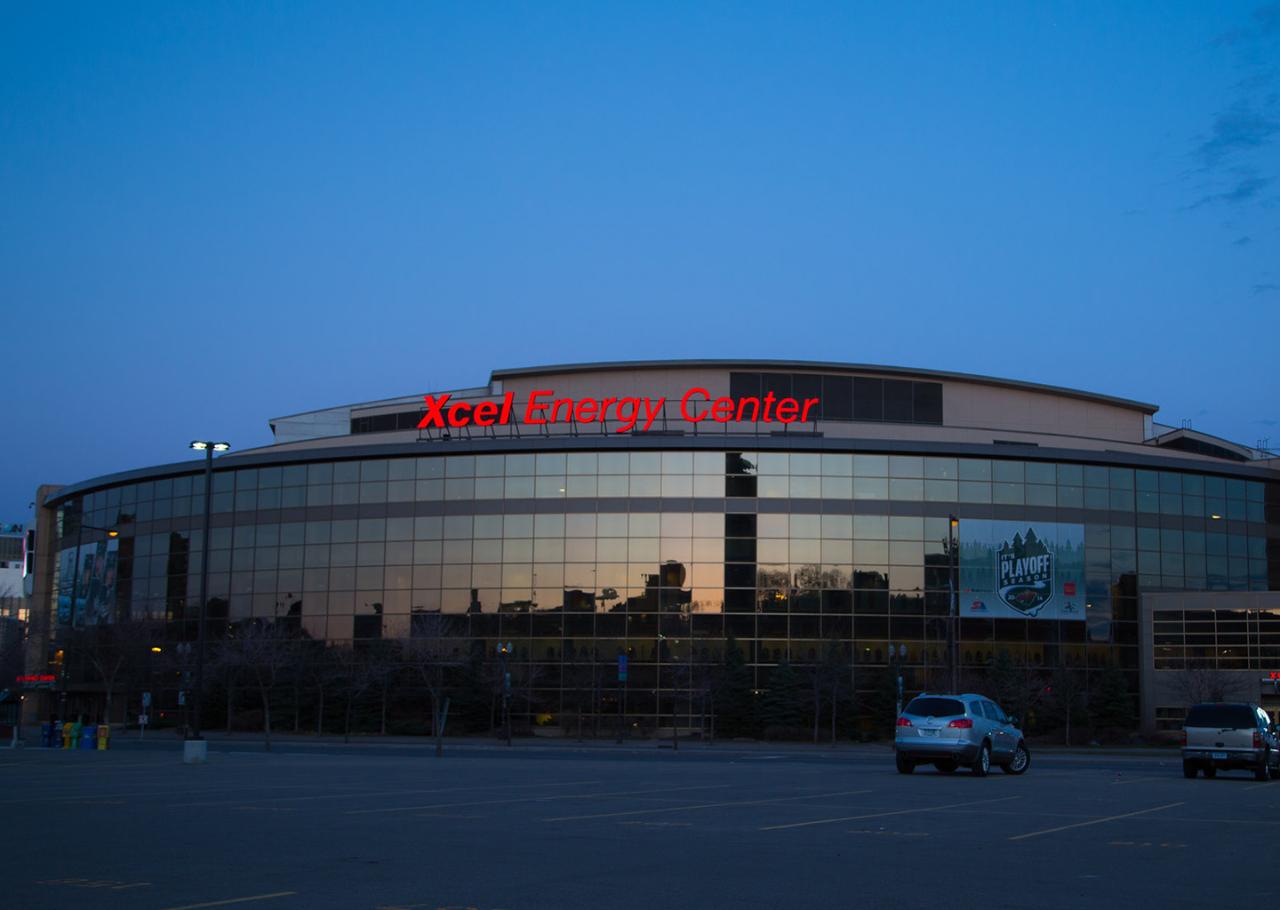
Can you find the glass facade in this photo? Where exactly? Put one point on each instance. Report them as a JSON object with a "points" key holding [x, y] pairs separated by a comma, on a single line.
{"points": [[579, 556]]}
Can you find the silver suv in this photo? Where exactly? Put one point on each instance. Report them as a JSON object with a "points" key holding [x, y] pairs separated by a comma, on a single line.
{"points": [[953, 730], [1221, 736]]}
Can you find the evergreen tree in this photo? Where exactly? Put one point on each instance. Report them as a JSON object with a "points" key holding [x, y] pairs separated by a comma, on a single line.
{"points": [[1111, 703], [735, 703], [783, 707]]}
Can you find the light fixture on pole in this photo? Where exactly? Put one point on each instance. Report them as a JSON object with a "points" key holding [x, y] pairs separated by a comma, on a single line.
{"points": [[194, 748]]}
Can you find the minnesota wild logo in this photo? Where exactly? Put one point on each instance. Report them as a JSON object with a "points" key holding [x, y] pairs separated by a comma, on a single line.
{"points": [[1024, 572]]}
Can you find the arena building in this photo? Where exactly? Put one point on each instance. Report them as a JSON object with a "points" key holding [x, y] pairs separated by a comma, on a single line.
{"points": [[656, 510]]}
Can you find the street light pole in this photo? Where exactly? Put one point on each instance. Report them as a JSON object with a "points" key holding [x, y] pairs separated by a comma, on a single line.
{"points": [[953, 620], [504, 651], [194, 748]]}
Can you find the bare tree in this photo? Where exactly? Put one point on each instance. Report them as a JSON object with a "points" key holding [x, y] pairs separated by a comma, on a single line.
{"points": [[115, 650], [429, 653], [1199, 683], [316, 668], [827, 680], [264, 651], [358, 669]]}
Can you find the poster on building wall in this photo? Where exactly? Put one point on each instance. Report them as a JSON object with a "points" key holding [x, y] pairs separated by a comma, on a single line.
{"points": [[87, 592], [1030, 569]]}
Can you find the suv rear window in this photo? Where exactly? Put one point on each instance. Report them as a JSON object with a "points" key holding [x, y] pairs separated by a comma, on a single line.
{"points": [[1222, 716], [935, 707]]}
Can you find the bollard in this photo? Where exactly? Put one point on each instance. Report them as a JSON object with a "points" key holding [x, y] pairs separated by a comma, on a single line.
{"points": [[104, 737]]}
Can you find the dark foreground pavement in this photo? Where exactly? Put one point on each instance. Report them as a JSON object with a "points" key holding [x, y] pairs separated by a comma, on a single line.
{"points": [[323, 825]]}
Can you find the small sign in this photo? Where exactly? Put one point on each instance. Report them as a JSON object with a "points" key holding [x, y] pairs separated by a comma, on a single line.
{"points": [[143, 720], [1069, 588], [182, 698], [146, 699], [622, 668]]}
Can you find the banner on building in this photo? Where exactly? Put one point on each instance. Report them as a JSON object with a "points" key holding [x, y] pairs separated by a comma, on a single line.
{"points": [[1021, 569]]}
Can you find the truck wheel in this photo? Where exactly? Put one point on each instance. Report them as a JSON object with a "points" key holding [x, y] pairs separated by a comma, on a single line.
{"points": [[1263, 771], [1210, 771], [1189, 770]]}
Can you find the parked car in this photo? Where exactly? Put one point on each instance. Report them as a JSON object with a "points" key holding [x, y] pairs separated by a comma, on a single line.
{"points": [[949, 731], [1220, 736]]}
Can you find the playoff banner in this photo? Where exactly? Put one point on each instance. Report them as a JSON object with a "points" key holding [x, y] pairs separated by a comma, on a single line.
{"points": [[1021, 569]]}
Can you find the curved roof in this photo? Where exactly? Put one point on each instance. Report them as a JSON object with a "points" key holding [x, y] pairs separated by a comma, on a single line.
{"points": [[818, 366]]}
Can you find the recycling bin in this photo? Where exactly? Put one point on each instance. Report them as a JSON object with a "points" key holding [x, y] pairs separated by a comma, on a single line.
{"points": [[104, 737], [68, 732], [89, 737], [46, 735]]}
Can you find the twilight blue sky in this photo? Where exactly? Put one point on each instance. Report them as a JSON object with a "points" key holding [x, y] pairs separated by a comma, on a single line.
{"points": [[215, 214]]}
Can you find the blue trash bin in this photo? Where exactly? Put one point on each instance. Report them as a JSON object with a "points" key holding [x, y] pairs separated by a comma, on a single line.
{"points": [[46, 735], [89, 737]]}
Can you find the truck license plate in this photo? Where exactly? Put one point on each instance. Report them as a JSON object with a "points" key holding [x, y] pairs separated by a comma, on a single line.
{"points": [[1222, 756]]}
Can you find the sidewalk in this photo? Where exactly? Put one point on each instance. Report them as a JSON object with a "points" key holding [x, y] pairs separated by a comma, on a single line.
{"points": [[122, 739]]}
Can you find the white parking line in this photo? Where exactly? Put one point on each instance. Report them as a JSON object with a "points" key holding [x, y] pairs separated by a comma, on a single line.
{"points": [[281, 799], [234, 900], [533, 799], [850, 818], [746, 802], [1096, 821]]}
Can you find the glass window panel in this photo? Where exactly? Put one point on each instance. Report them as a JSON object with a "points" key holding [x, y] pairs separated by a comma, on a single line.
{"points": [[870, 488], [646, 463], [871, 466], [941, 491], [837, 465], [645, 485], [549, 463], [906, 527], [520, 465], [805, 464], [1007, 493], [677, 485], [871, 527], [490, 466], [975, 491], [940, 469], [976, 469], [906, 466], [805, 525], [549, 487], [904, 489], [400, 469]]}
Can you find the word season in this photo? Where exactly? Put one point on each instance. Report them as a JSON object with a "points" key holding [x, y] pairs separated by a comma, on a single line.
{"points": [[632, 413]]}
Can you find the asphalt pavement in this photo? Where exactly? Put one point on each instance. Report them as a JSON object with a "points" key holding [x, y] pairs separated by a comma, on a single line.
{"points": [[566, 825]]}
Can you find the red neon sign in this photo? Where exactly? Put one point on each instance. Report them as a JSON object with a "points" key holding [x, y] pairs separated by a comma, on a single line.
{"points": [[41, 678], [542, 408]]}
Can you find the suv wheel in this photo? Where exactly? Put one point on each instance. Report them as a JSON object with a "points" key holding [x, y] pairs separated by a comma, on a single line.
{"points": [[1189, 770], [1263, 771], [1020, 762], [983, 763], [905, 765]]}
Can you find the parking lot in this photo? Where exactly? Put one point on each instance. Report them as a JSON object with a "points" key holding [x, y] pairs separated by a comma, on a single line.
{"points": [[638, 827]]}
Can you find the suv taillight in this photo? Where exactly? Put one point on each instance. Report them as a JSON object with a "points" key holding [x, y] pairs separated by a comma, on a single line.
{"points": [[903, 722], [963, 723], [1257, 739]]}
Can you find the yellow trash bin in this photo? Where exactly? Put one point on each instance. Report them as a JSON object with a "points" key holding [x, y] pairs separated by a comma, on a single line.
{"points": [[66, 735], [104, 737]]}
